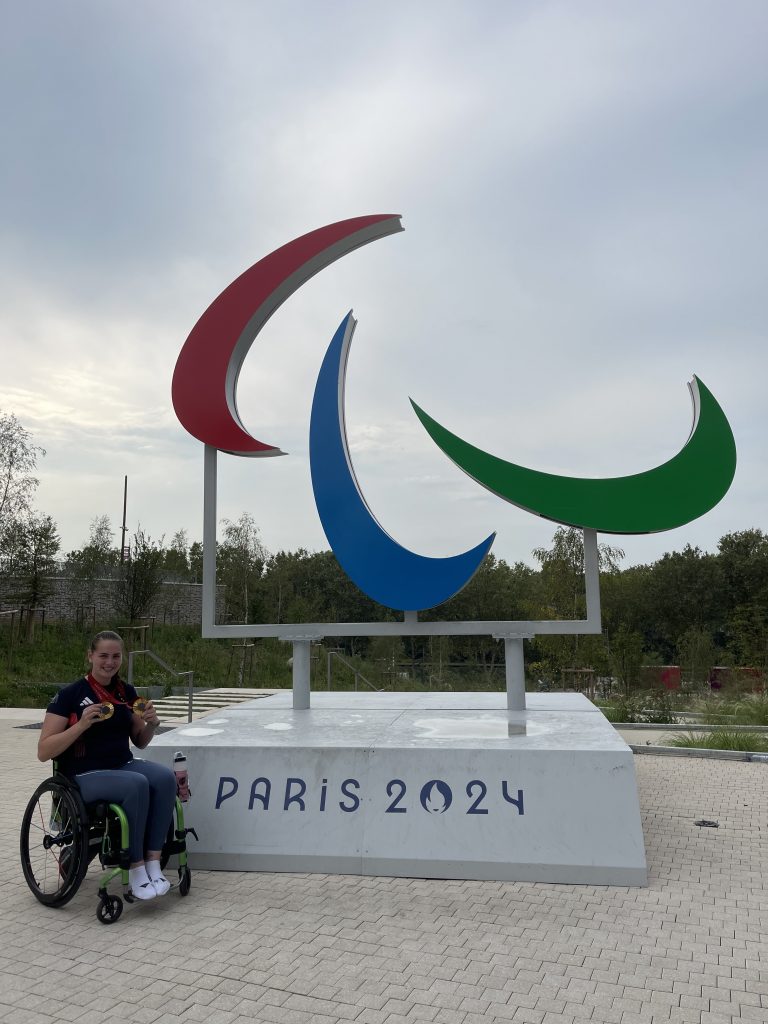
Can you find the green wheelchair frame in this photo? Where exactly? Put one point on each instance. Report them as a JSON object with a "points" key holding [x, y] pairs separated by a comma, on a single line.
{"points": [[116, 861]]}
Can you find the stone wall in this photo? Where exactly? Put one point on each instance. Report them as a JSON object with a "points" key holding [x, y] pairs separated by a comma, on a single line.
{"points": [[70, 600]]}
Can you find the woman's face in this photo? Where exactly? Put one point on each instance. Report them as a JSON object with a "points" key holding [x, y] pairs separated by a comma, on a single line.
{"points": [[105, 660]]}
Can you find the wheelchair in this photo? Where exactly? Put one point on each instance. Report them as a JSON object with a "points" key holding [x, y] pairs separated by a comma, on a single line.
{"points": [[61, 836]]}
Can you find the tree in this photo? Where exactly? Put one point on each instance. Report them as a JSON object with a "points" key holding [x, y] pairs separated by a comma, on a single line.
{"points": [[18, 458], [177, 557], [240, 562], [142, 576], [562, 570], [696, 653], [386, 652], [625, 598], [683, 590], [29, 547], [561, 595], [497, 591], [743, 564], [96, 559], [302, 587], [626, 656], [747, 632], [743, 568], [196, 562]]}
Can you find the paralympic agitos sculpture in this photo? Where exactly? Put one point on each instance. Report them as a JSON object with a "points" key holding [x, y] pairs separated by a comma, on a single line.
{"points": [[553, 782], [204, 397]]}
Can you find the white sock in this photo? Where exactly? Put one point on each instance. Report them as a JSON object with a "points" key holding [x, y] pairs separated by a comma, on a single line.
{"points": [[141, 884], [157, 878]]}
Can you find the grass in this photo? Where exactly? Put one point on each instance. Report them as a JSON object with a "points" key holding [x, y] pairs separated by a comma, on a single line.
{"points": [[26, 695], [748, 709], [662, 707], [31, 673], [654, 707], [721, 739]]}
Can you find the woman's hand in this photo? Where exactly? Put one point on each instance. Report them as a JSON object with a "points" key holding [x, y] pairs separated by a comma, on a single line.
{"points": [[146, 724], [150, 715], [92, 713]]}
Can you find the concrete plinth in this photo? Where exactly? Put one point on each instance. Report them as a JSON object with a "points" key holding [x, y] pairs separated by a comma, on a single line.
{"points": [[415, 784]]}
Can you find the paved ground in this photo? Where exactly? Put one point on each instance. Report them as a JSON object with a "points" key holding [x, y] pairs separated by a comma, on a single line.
{"points": [[295, 949]]}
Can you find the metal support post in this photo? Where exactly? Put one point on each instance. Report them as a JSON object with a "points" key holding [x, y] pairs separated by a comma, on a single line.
{"points": [[515, 672], [190, 692], [209, 540], [592, 578], [301, 663]]}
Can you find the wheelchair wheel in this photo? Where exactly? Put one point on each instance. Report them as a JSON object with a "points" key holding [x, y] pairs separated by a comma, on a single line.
{"points": [[185, 880], [54, 843], [109, 909]]}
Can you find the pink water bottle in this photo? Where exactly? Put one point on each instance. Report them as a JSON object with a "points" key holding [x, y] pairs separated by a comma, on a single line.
{"points": [[182, 778]]}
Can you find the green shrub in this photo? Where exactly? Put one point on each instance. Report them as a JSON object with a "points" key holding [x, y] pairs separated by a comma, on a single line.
{"points": [[750, 709], [27, 695], [654, 707], [720, 739]]}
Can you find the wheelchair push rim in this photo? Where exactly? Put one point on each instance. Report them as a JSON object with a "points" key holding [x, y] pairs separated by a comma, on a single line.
{"points": [[53, 843]]}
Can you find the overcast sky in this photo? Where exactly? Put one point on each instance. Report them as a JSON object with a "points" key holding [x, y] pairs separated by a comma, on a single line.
{"points": [[583, 191]]}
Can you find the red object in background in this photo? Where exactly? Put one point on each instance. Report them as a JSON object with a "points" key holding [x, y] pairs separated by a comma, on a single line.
{"points": [[671, 677], [668, 676], [717, 676], [722, 675]]}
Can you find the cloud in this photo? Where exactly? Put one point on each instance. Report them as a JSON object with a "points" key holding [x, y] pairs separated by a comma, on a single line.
{"points": [[582, 188]]}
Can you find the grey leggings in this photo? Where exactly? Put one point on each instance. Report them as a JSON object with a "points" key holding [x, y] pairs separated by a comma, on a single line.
{"points": [[146, 791]]}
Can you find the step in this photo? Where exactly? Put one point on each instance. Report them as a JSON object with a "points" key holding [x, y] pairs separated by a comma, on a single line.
{"points": [[176, 708]]}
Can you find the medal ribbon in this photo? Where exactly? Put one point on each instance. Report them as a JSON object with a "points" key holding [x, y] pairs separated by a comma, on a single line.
{"points": [[105, 695]]}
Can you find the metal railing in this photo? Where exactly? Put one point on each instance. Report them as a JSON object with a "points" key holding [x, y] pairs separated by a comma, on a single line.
{"points": [[358, 673], [13, 639], [164, 665]]}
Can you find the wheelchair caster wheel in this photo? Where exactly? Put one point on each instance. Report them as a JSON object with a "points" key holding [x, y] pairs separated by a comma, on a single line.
{"points": [[185, 880], [109, 909]]}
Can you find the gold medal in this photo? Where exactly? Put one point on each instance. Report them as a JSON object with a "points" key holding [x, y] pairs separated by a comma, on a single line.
{"points": [[107, 710], [140, 705]]}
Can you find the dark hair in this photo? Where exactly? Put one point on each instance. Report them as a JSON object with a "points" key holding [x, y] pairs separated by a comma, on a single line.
{"points": [[105, 634]]}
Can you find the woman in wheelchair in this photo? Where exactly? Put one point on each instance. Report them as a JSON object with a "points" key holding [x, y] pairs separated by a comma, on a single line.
{"points": [[88, 729]]}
